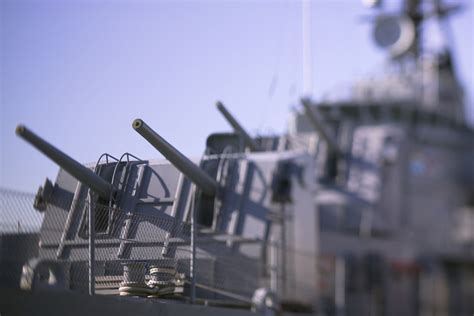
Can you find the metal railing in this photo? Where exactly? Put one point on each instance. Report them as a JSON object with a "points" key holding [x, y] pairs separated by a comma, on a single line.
{"points": [[203, 262], [133, 253]]}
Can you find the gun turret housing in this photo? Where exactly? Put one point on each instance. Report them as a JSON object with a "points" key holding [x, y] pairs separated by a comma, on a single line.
{"points": [[207, 184], [81, 173]]}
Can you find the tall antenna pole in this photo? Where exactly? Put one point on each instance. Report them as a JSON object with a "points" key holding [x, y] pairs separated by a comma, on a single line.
{"points": [[307, 55]]}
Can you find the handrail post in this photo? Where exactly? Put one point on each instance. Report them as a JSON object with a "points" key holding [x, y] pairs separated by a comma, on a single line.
{"points": [[192, 264], [91, 247]]}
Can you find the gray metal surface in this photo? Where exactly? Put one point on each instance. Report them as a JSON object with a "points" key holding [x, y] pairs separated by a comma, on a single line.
{"points": [[59, 303]]}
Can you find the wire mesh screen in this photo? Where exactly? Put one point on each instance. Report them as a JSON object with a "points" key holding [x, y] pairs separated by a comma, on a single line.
{"points": [[134, 253], [234, 271], [19, 227], [17, 214], [121, 239], [150, 255]]}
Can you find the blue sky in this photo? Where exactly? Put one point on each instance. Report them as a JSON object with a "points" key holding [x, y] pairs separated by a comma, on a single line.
{"points": [[78, 72]]}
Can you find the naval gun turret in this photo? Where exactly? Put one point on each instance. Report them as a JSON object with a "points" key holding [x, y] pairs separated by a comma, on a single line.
{"points": [[208, 229]]}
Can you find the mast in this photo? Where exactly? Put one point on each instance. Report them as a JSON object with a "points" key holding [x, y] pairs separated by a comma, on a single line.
{"points": [[307, 54]]}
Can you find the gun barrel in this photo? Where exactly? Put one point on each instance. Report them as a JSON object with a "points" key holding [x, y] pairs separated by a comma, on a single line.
{"points": [[237, 127], [315, 121], [181, 162], [80, 172]]}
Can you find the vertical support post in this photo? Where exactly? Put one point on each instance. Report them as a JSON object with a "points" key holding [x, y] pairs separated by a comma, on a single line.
{"points": [[317, 257], [340, 286], [273, 264], [283, 254], [91, 247], [192, 265]]}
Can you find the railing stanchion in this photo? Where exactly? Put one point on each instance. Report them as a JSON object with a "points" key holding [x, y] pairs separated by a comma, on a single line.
{"points": [[192, 265], [91, 247]]}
